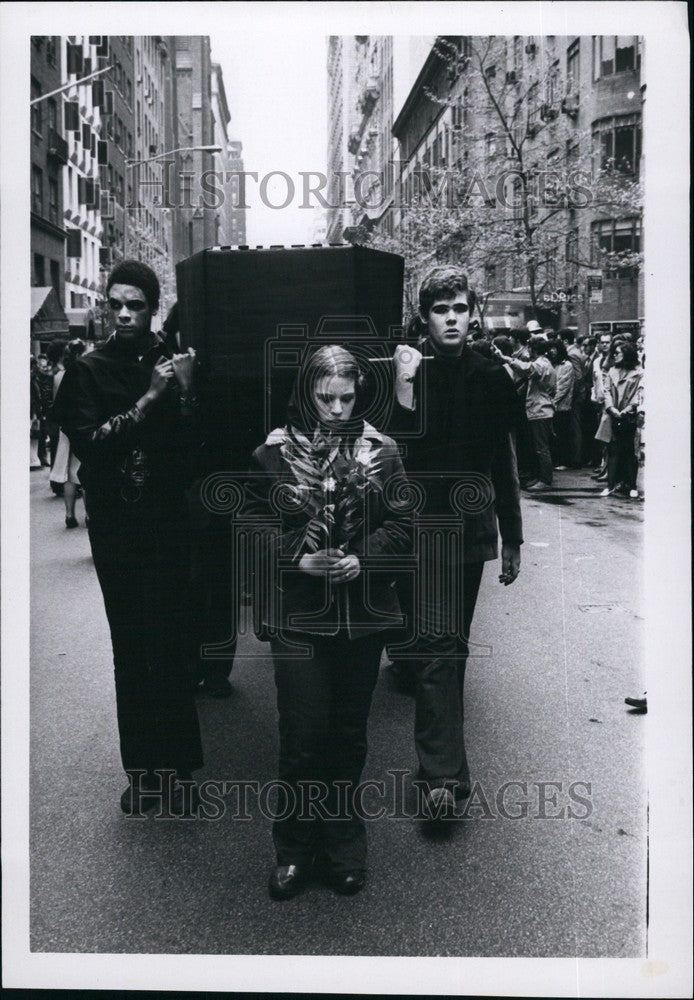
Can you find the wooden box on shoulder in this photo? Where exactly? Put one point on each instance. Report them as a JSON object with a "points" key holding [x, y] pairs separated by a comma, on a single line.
{"points": [[251, 314]]}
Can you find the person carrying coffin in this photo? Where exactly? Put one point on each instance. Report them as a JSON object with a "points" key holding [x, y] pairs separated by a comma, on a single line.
{"points": [[454, 415], [129, 411]]}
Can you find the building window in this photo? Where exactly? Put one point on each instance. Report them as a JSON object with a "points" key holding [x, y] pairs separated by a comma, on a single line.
{"points": [[517, 54], [615, 54], [552, 86], [51, 50], [551, 266], [617, 144], [573, 67], [518, 272], [490, 147], [53, 200], [35, 108], [571, 255], [533, 110], [39, 273], [37, 190], [55, 276], [614, 242], [52, 114]]}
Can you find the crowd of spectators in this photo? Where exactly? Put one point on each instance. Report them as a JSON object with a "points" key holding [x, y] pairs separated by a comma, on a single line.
{"points": [[582, 402]]}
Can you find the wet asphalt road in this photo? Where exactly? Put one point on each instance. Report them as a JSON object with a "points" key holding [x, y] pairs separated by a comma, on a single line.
{"points": [[545, 705]]}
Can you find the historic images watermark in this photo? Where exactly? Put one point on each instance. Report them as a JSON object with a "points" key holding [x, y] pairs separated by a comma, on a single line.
{"points": [[311, 189], [394, 797]]}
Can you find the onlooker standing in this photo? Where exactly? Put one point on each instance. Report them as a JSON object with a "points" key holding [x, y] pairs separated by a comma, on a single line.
{"points": [[66, 465], [539, 406], [578, 360], [524, 450], [44, 380], [622, 402], [34, 414], [563, 396], [55, 353], [599, 368]]}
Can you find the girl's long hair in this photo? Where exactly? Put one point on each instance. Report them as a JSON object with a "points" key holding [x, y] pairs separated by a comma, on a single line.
{"points": [[330, 361]]}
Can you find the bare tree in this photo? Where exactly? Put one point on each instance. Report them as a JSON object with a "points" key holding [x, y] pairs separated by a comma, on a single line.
{"points": [[506, 196]]}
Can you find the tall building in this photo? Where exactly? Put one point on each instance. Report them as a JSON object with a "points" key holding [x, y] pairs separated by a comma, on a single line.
{"points": [[80, 56], [367, 76], [118, 132], [538, 140], [221, 200], [148, 228], [340, 59], [233, 192], [49, 157], [193, 218]]}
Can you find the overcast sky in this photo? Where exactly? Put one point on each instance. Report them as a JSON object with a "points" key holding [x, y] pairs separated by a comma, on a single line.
{"points": [[276, 89]]}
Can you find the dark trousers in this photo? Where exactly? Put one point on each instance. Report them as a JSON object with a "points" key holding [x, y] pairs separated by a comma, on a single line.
{"points": [[590, 418], [142, 569], [575, 433], [622, 463], [442, 654], [215, 607], [561, 443], [524, 450], [323, 705], [541, 435]]}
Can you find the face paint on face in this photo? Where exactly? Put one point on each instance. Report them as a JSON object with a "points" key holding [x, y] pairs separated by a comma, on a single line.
{"points": [[129, 312]]}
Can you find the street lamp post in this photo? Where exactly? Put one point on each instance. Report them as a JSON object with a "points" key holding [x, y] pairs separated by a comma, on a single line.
{"points": [[130, 164]]}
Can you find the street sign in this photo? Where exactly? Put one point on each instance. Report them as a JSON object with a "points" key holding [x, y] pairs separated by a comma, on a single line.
{"points": [[594, 287]]}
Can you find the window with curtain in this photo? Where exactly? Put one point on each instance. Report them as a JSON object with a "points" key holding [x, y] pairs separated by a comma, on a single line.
{"points": [[614, 54], [617, 144]]}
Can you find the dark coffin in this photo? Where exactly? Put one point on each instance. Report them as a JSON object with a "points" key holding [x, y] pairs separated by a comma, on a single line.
{"points": [[253, 314]]}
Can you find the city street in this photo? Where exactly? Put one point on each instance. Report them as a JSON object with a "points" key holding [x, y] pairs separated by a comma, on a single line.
{"points": [[560, 649]]}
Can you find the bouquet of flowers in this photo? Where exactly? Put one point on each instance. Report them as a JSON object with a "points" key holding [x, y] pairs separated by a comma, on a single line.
{"points": [[332, 477]]}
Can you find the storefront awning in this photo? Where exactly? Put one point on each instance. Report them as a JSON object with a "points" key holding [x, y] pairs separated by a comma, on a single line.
{"points": [[82, 322], [48, 319]]}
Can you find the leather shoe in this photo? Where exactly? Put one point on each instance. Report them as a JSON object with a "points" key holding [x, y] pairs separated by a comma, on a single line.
{"points": [[439, 804], [348, 883], [286, 881], [135, 802]]}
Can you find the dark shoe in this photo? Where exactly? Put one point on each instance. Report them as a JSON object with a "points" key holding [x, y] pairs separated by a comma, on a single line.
{"points": [[538, 487], [217, 687], [347, 883], [287, 881], [142, 799], [439, 804], [71, 522], [639, 704], [181, 797]]}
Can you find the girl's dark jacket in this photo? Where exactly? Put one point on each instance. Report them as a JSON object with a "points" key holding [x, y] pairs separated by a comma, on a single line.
{"points": [[286, 598]]}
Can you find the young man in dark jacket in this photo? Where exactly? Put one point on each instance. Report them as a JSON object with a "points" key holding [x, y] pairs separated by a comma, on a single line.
{"points": [[129, 411], [454, 416]]}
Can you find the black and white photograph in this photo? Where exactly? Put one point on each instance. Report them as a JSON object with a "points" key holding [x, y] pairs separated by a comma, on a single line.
{"points": [[346, 597]]}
